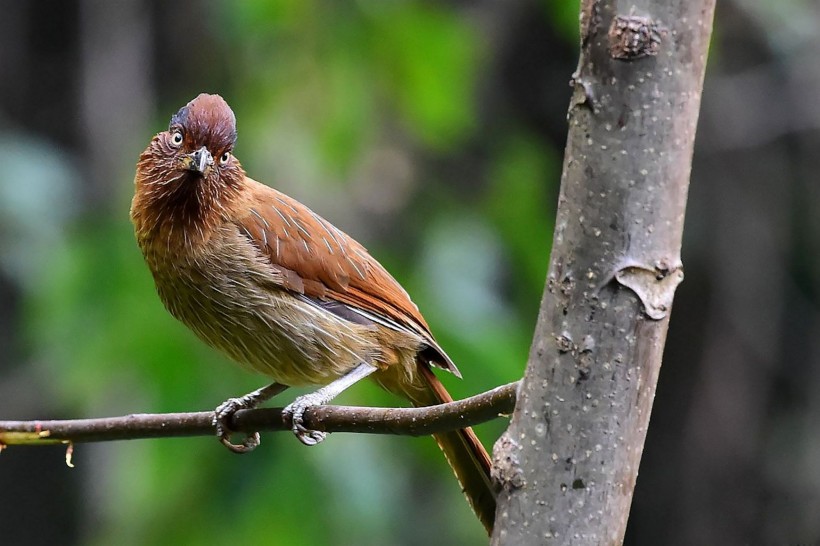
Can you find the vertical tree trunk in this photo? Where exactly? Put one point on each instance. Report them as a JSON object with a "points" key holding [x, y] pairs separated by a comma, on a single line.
{"points": [[569, 460]]}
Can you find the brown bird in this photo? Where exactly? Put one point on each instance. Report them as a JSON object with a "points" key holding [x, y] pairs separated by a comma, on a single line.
{"points": [[280, 290]]}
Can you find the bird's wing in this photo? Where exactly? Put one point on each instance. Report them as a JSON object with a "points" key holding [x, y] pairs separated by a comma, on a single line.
{"points": [[323, 265]]}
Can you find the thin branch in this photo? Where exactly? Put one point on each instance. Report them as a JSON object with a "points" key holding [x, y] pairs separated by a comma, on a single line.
{"points": [[402, 421]]}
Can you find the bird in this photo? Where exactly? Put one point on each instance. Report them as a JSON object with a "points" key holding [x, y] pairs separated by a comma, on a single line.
{"points": [[281, 291]]}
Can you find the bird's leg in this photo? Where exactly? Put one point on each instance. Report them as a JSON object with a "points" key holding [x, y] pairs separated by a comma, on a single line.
{"points": [[296, 409], [225, 411]]}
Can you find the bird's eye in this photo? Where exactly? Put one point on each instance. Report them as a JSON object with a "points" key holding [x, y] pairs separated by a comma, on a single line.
{"points": [[176, 139], [223, 159]]}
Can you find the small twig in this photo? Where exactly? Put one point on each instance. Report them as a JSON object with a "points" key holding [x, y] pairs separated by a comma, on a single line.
{"points": [[403, 421]]}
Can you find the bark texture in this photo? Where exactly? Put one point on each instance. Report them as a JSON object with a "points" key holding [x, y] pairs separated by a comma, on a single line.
{"points": [[567, 465]]}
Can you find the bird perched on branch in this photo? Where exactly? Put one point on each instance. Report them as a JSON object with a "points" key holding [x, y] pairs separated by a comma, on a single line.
{"points": [[280, 290]]}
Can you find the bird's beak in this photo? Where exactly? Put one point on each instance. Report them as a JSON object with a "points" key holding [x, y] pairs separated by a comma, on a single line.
{"points": [[200, 161]]}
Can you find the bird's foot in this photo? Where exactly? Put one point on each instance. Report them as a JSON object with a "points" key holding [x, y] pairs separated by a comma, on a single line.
{"points": [[296, 409], [223, 414], [296, 412]]}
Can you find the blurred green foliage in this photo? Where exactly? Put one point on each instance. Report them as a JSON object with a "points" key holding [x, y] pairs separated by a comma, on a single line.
{"points": [[320, 89]]}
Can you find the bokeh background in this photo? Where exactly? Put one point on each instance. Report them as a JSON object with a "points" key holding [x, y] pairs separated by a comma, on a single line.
{"points": [[432, 132]]}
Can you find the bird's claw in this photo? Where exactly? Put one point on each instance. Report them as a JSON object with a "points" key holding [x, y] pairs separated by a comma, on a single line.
{"points": [[250, 443], [296, 412], [223, 414]]}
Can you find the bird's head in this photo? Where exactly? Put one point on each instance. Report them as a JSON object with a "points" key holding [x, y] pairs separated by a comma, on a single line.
{"points": [[189, 170], [199, 141], [201, 137]]}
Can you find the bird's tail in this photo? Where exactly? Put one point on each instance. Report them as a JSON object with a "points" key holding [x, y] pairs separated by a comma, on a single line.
{"points": [[462, 449]]}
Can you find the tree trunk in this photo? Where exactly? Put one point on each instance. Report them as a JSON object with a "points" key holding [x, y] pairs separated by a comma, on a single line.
{"points": [[569, 460]]}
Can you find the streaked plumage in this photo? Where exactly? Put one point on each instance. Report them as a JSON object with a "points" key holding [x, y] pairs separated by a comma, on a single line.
{"points": [[259, 276]]}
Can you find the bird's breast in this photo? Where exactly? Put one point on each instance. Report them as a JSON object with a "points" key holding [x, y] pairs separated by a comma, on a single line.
{"points": [[227, 294]]}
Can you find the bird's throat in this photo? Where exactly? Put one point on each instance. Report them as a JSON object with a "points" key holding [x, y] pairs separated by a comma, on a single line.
{"points": [[180, 213]]}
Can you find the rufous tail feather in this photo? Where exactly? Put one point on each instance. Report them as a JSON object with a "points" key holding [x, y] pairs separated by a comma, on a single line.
{"points": [[464, 452]]}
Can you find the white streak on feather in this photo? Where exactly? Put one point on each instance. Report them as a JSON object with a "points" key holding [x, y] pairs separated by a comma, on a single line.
{"points": [[265, 222], [327, 244], [282, 216], [302, 229], [291, 207], [356, 267]]}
